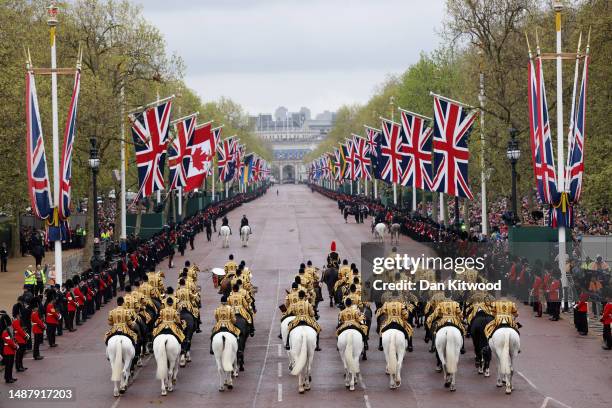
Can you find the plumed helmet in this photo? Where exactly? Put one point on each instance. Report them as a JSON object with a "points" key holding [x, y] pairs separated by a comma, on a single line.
{"points": [[333, 246]]}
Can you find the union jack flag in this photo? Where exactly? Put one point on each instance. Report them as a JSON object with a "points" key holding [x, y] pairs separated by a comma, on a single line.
{"points": [[238, 160], [225, 159], [217, 138], [363, 162], [418, 148], [373, 138], [452, 127], [540, 136], [38, 176], [66, 164], [179, 151], [150, 134], [392, 159], [575, 162], [351, 160], [337, 164]]}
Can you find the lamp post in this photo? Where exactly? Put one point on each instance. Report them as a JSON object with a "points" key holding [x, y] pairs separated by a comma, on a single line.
{"points": [[513, 153], [94, 164]]}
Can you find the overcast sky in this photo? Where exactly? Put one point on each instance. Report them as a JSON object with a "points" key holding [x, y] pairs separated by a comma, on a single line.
{"points": [[314, 53]]}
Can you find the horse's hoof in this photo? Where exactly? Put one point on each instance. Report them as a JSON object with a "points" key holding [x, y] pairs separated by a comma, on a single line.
{"points": [[347, 386], [352, 388], [164, 393], [309, 379], [499, 384], [230, 387], [438, 369], [480, 370], [487, 373], [122, 391], [221, 389], [115, 394], [301, 391], [241, 368], [508, 392], [452, 388], [182, 365], [447, 384]]}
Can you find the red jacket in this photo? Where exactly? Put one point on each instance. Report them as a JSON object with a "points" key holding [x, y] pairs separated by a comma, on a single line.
{"points": [[38, 326], [607, 314], [78, 295], [9, 345], [109, 280], [72, 304], [521, 277], [52, 315], [537, 285], [20, 334], [90, 294], [553, 291]]}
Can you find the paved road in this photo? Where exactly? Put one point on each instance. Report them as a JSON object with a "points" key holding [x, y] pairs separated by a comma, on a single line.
{"points": [[557, 368]]}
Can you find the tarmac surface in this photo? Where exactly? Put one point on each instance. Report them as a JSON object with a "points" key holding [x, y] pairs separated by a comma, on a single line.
{"points": [[557, 368]]}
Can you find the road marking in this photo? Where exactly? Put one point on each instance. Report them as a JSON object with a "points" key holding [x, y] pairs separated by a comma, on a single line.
{"points": [[547, 399], [528, 381], [134, 379], [263, 367], [280, 369], [280, 392], [367, 401], [280, 353]]}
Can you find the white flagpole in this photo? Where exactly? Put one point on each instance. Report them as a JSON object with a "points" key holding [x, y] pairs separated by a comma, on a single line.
{"points": [[52, 22], [213, 179], [558, 6], [442, 209], [376, 189], [358, 187], [394, 193], [180, 200], [483, 181], [414, 197], [123, 203], [365, 186]]}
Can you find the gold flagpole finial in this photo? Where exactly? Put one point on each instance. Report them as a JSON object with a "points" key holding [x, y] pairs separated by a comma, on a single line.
{"points": [[588, 41], [537, 42]]}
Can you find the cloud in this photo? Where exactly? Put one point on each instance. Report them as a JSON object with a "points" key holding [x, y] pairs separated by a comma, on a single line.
{"points": [[275, 46]]}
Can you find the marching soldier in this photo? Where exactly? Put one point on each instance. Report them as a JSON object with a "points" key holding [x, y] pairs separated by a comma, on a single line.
{"points": [[121, 319], [352, 317], [396, 315], [505, 314], [225, 320], [169, 321], [304, 315]]}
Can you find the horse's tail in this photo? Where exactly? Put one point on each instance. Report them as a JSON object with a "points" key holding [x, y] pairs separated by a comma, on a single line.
{"points": [[117, 364], [302, 357], [227, 355], [392, 354], [162, 360], [452, 358], [504, 359], [348, 354]]}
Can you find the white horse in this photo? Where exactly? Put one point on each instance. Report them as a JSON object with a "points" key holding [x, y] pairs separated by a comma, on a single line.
{"points": [[395, 231], [244, 235], [448, 347], [167, 353], [394, 345], [225, 234], [302, 342], [284, 334], [350, 345], [225, 347], [380, 230], [120, 352], [505, 344]]}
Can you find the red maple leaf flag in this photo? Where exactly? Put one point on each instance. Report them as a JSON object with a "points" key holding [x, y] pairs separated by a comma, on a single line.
{"points": [[200, 156]]}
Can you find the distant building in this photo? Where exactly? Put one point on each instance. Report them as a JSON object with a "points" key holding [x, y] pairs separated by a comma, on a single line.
{"points": [[292, 136]]}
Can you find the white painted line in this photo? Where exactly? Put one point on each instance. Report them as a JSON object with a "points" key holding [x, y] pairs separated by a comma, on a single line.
{"points": [[116, 403], [280, 392], [531, 384], [272, 325], [280, 369], [367, 401], [556, 401], [280, 352], [545, 402]]}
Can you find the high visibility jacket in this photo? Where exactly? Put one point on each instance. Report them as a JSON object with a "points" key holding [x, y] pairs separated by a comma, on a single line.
{"points": [[30, 277]]}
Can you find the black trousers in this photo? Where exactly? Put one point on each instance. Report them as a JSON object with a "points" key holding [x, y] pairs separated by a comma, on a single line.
{"points": [[38, 339], [607, 335], [70, 320], [8, 367], [51, 333], [208, 235], [19, 356], [121, 282], [39, 289], [580, 319], [3, 262], [555, 309], [78, 314]]}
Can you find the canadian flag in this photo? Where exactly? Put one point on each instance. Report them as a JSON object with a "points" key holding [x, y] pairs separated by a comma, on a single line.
{"points": [[200, 156]]}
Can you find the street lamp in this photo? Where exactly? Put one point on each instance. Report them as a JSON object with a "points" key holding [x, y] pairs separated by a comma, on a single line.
{"points": [[94, 165], [513, 153]]}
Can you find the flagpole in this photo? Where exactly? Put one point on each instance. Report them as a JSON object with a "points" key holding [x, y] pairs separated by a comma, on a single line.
{"points": [[213, 178], [158, 191], [376, 189], [442, 209], [484, 222], [52, 22], [123, 164], [414, 197], [558, 7]]}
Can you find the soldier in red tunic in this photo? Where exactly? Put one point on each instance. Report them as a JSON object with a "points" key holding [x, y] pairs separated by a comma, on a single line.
{"points": [[52, 318], [21, 338], [9, 347], [554, 298], [606, 320], [38, 328]]}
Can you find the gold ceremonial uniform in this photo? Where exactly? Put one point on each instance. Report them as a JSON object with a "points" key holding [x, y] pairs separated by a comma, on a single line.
{"points": [[355, 299], [149, 290], [304, 313], [120, 319], [311, 272], [225, 319], [192, 273], [169, 318], [352, 317], [446, 312], [240, 306], [230, 269], [504, 312], [395, 312], [186, 297], [477, 307], [156, 280], [343, 273]]}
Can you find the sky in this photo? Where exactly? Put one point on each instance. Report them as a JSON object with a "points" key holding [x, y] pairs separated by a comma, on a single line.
{"points": [[315, 53]]}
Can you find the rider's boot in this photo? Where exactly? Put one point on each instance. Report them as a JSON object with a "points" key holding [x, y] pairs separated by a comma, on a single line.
{"points": [[380, 347], [409, 348], [317, 348], [462, 351]]}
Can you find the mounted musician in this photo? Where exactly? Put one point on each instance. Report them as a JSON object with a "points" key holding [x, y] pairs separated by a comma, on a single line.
{"points": [[447, 313], [169, 321], [304, 315], [122, 320], [352, 318], [505, 313], [225, 320], [394, 314]]}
